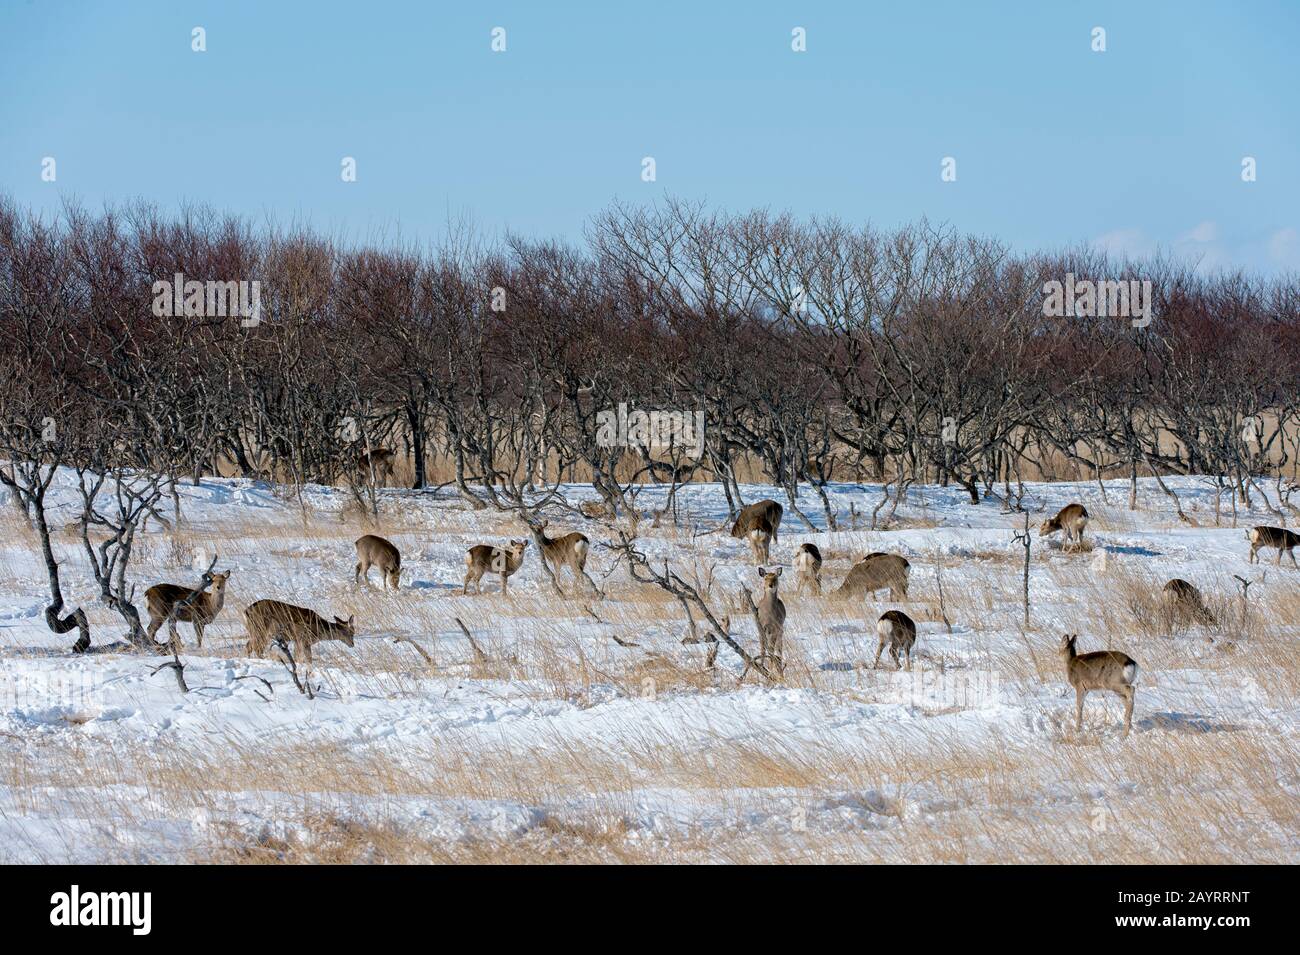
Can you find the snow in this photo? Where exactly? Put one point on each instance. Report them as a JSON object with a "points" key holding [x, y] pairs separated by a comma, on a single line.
{"points": [[107, 761]]}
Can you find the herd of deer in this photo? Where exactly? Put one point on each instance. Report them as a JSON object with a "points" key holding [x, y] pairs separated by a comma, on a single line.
{"points": [[269, 621]]}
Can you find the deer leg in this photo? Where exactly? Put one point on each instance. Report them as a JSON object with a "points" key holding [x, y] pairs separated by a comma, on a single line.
{"points": [[198, 632], [356, 577], [1128, 694], [893, 652], [1292, 553], [1079, 694], [154, 624], [879, 650]]}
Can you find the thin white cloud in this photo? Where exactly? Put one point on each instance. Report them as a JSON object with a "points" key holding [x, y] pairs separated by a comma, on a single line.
{"points": [[1133, 243], [1204, 246], [1284, 248], [1205, 232]]}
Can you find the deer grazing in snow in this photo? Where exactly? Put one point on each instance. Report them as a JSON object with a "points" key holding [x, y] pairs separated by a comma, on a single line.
{"points": [[759, 523], [375, 551], [771, 620], [271, 620], [170, 603], [1072, 519], [875, 572], [808, 566], [568, 551], [898, 630], [1100, 670], [484, 558], [1184, 604], [1277, 537]]}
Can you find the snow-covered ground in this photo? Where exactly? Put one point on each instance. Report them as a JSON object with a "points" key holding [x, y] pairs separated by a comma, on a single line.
{"points": [[586, 730]]}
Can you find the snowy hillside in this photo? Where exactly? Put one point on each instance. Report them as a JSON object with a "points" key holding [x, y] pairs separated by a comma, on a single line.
{"points": [[582, 728]]}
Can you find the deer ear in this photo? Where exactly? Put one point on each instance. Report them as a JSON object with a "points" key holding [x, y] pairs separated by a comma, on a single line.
{"points": [[352, 620]]}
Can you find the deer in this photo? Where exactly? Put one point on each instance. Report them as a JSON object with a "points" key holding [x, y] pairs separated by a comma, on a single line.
{"points": [[198, 607], [898, 630], [771, 619], [484, 558], [808, 567], [271, 620], [375, 551], [568, 551], [763, 517], [1072, 519], [1184, 604], [1279, 537], [382, 460], [1100, 670], [875, 572], [760, 539]]}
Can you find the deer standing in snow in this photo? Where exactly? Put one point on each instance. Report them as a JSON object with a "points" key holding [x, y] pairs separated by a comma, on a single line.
{"points": [[1100, 670], [808, 566], [375, 551], [759, 523], [568, 551], [1072, 519], [484, 558], [1278, 537], [171, 602]]}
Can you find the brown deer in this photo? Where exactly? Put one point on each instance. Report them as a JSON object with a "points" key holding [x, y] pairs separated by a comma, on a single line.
{"points": [[597, 510], [484, 558], [271, 620], [763, 517], [568, 551], [1184, 604], [898, 630], [808, 566], [1100, 670], [1279, 537], [875, 572], [375, 551], [201, 610], [760, 539], [1072, 519], [382, 460], [771, 620]]}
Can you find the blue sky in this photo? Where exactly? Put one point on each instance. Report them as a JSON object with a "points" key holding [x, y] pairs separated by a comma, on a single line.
{"points": [[1136, 148]]}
